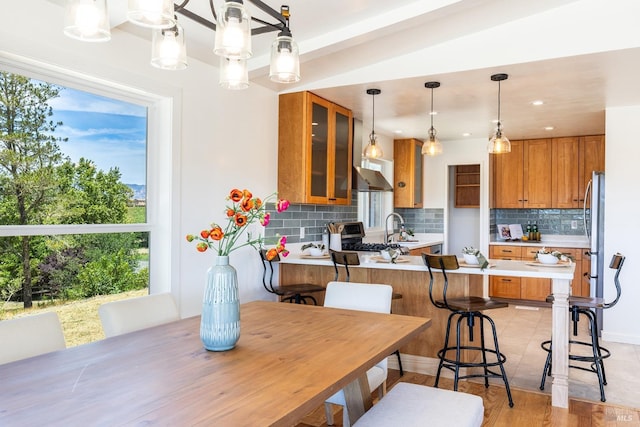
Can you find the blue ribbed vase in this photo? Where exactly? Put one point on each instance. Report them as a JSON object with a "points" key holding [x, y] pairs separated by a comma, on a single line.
{"points": [[220, 322]]}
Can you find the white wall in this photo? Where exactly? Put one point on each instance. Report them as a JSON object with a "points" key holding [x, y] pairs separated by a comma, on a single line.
{"points": [[622, 204]]}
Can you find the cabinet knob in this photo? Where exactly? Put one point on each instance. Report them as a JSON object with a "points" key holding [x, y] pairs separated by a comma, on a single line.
{"points": [[402, 184]]}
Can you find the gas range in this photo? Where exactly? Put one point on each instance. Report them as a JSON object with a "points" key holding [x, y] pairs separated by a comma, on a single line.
{"points": [[352, 234], [368, 247]]}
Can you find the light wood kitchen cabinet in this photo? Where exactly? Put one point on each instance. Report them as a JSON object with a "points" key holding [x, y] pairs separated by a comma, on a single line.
{"points": [[407, 173], [467, 186], [522, 178], [503, 286], [314, 150], [573, 160]]}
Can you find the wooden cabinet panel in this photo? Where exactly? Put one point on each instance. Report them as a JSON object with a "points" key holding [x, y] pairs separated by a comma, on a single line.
{"points": [[407, 172], [523, 177], [591, 159], [505, 252], [573, 160], [314, 150], [504, 287], [509, 177], [537, 174]]}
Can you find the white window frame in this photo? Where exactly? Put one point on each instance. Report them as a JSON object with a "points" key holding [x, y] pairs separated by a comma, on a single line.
{"points": [[161, 154]]}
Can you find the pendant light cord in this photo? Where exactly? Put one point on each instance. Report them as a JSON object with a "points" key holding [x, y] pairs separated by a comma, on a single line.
{"points": [[431, 114], [499, 86], [373, 118]]}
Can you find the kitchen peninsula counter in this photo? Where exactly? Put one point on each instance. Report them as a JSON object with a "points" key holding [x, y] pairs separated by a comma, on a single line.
{"points": [[411, 279]]}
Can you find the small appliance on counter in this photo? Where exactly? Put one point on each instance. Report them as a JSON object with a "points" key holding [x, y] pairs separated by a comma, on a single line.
{"points": [[352, 234]]}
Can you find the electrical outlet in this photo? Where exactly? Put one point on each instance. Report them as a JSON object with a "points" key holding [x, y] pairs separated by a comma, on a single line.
{"points": [[574, 225], [302, 232]]}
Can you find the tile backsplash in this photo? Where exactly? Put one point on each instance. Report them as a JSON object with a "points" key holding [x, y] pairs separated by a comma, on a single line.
{"points": [[549, 221], [315, 217]]}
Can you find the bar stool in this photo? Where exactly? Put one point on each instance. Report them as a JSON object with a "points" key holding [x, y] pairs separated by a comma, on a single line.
{"points": [[587, 306], [465, 308], [345, 259], [292, 293]]}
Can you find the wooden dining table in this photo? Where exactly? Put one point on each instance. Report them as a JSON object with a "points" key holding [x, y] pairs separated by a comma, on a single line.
{"points": [[289, 359]]}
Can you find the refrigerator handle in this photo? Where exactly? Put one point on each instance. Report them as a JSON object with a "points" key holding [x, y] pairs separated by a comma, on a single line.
{"points": [[584, 209]]}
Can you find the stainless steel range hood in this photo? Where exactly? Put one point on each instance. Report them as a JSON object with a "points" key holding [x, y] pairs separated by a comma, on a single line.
{"points": [[363, 179]]}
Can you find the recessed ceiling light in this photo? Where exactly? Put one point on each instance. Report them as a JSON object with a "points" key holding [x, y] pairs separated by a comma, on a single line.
{"points": [[466, 134], [538, 102], [433, 113], [548, 128], [397, 131]]}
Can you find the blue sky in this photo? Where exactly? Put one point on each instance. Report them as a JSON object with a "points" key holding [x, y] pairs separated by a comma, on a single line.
{"points": [[110, 132]]}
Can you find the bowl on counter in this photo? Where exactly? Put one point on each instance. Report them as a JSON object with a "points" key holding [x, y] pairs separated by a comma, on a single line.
{"points": [[470, 259], [316, 251], [547, 259]]}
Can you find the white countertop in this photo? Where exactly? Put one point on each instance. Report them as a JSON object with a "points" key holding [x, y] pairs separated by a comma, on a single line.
{"points": [[550, 240], [414, 263]]}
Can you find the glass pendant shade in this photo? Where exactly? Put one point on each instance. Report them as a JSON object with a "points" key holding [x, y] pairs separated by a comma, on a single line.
{"points": [[168, 49], [234, 74], [499, 144], [285, 60], [433, 146], [87, 20], [233, 31], [151, 13], [372, 150]]}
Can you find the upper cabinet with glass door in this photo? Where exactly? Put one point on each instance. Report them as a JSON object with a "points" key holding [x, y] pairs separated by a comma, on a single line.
{"points": [[314, 150]]}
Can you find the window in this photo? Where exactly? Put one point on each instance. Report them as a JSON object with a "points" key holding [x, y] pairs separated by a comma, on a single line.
{"points": [[104, 143], [372, 206]]}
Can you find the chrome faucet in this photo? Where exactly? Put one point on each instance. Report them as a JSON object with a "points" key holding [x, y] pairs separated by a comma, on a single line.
{"points": [[386, 225]]}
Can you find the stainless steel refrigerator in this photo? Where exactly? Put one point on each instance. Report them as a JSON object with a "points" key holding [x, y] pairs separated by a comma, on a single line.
{"points": [[594, 229]]}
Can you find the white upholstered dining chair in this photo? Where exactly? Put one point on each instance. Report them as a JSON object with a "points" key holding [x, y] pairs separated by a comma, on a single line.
{"points": [[362, 297], [30, 336], [121, 317]]}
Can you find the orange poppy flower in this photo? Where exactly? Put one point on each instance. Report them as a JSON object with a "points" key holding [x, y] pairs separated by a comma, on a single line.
{"points": [[246, 205], [271, 254], [257, 203], [230, 212], [202, 246], [235, 195], [216, 233], [204, 234], [247, 194], [240, 219]]}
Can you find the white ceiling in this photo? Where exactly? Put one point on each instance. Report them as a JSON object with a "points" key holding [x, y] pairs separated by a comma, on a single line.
{"points": [[578, 56]]}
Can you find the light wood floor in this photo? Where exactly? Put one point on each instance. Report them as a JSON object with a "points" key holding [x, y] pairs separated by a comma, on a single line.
{"points": [[530, 408]]}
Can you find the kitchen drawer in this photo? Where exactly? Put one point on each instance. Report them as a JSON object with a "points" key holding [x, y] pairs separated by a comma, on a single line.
{"points": [[504, 287], [505, 252]]}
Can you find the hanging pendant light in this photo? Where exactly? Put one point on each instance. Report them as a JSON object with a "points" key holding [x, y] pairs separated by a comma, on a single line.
{"points": [[87, 20], [373, 150], [168, 49], [233, 31], [499, 143], [234, 73], [151, 13], [433, 146]]}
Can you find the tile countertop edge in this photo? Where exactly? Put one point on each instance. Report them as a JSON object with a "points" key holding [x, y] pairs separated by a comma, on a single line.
{"points": [[551, 240], [414, 263]]}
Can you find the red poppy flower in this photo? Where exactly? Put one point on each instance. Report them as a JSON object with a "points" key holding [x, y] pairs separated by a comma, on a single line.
{"points": [[235, 195], [240, 219], [204, 234], [202, 246], [230, 212]]}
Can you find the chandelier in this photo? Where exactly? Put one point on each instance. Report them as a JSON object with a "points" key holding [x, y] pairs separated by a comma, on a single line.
{"points": [[88, 20]]}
